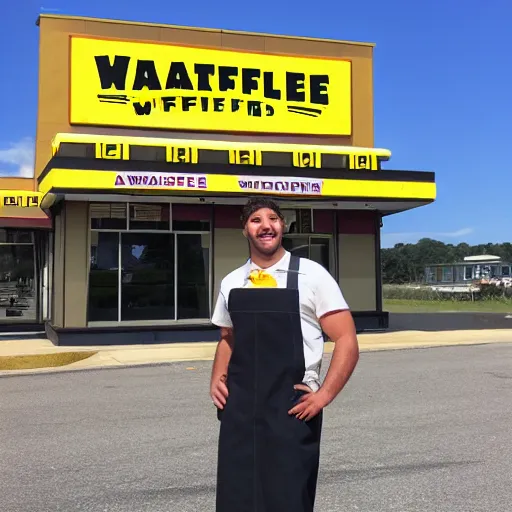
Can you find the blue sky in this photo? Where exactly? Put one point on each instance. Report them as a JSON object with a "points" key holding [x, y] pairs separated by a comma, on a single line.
{"points": [[442, 90]]}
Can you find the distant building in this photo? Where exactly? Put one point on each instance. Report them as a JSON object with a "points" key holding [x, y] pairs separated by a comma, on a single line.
{"points": [[473, 270]]}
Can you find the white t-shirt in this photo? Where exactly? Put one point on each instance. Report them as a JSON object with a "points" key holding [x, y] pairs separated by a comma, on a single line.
{"points": [[319, 293]]}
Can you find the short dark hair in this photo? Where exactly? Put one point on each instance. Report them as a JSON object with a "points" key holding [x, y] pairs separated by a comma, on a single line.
{"points": [[257, 203]]}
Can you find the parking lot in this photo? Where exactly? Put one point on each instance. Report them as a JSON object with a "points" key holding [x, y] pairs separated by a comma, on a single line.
{"points": [[416, 430]]}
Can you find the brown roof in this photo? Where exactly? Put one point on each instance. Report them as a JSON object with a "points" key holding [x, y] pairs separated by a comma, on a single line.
{"points": [[164, 25]]}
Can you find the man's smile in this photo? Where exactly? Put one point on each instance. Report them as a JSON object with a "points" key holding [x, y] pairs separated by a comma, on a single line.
{"points": [[266, 237]]}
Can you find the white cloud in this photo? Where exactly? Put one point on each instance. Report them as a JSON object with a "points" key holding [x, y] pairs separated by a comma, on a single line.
{"points": [[18, 159], [390, 239]]}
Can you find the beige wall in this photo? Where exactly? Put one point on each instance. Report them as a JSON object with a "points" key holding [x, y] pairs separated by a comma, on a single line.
{"points": [[53, 104], [357, 271], [230, 252], [71, 266], [58, 271]]}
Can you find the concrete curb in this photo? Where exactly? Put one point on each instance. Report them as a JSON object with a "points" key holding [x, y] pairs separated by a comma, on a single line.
{"points": [[118, 358]]}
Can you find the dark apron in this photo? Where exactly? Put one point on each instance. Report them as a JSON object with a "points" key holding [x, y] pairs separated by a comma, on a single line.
{"points": [[267, 460]]}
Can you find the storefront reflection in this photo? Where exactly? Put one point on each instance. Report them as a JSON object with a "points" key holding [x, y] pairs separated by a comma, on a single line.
{"points": [[18, 298]]}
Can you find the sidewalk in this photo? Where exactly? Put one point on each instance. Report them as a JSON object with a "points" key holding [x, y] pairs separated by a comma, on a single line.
{"points": [[118, 356]]}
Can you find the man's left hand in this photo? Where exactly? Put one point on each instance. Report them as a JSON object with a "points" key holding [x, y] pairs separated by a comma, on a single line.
{"points": [[309, 405]]}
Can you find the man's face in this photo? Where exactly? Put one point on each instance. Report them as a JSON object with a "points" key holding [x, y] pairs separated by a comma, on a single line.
{"points": [[264, 230]]}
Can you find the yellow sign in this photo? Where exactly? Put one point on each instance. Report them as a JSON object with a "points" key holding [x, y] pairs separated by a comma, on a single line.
{"points": [[158, 183], [156, 85]]}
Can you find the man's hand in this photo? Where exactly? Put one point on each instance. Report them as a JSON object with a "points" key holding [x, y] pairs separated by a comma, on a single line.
{"points": [[309, 405], [219, 391]]}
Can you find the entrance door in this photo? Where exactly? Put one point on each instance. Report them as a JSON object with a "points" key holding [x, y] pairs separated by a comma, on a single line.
{"points": [[315, 247], [147, 276]]}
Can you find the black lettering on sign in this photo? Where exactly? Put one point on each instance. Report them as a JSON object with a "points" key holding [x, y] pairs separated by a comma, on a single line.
{"points": [[360, 162], [203, 72], [168, 102], [142, 110], [32, 201], [268, 87], [181, 155], [249, 82], [254, 108], [258, 90], [178, 77], [112, 74], [218, 104], [307, 159], [318, 89], [109, 151], [295, 83], [226, 78], [146, 76], [187, 102], [244, 157], [11, 200]]}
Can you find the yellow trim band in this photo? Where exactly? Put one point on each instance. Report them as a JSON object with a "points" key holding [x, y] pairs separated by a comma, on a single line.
{"points": [[219, 183]]}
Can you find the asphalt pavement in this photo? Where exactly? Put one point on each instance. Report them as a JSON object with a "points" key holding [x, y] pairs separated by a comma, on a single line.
{"points": [[415, 430]]}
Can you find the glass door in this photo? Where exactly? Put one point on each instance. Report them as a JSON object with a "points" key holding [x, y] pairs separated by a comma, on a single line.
{"points": [[193, 274], [315, 247], [147, 276], [104, 277]]}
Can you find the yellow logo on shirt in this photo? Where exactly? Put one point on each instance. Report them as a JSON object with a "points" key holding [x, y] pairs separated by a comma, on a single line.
{"points": [[260, 279]]}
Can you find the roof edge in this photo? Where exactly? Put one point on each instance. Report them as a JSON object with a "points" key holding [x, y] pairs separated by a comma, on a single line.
{"points": [[201, 29]]}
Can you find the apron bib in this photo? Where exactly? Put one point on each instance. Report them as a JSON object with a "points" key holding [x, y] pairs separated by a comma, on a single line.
{"points": [[267, 460]]}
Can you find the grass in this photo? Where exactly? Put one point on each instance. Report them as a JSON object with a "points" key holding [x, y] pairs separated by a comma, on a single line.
{"points": [[31, 362], [434, 306]]}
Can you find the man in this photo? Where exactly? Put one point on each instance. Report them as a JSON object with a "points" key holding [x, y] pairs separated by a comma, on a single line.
{"points": [[265, 377]]}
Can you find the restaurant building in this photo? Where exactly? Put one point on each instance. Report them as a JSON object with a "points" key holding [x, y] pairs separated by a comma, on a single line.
{"points": [[149, 140]]}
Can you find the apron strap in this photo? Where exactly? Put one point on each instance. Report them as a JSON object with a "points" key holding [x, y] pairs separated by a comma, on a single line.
{"points": [[293, 273]]}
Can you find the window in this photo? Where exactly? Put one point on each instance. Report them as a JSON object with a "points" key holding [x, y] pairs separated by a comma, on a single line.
{"points": [[193, 275], [103, 277], [146, 271], [18, 283], [459, 274], [15, 236], [187, 217], [298, 221], [505, 271], [147, 276], [315, 247], [468, 273], [447, 274], [108, 216], [149, 217]]}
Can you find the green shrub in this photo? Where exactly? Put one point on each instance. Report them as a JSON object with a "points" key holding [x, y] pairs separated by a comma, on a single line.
{"points": [[404, 292]]}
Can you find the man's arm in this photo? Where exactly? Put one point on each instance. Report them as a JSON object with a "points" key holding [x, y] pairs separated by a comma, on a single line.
{"points": [[340, 329], [337, 323], [218, 388]]}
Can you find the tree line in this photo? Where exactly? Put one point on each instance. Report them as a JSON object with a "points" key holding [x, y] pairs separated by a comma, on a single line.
{"points": [[405, 263]]}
